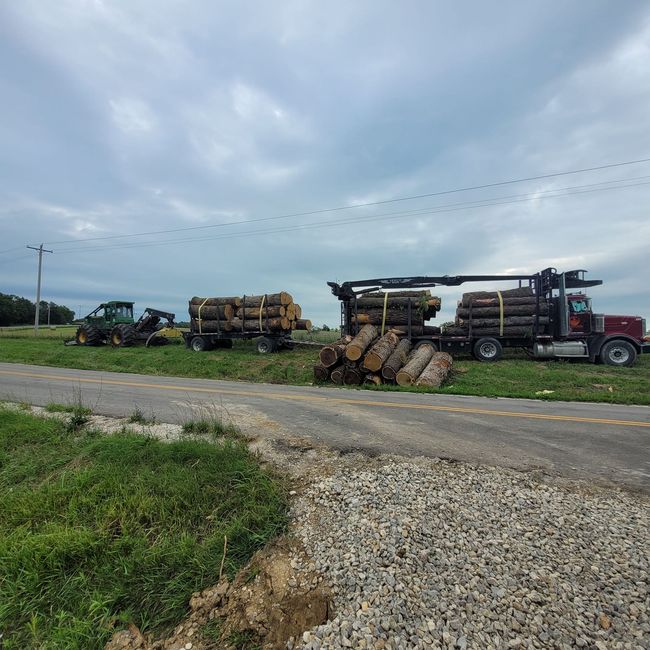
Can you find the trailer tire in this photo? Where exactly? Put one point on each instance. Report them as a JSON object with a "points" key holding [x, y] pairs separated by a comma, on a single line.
{"points": [[487, 349], [199, 344], [266, 345], [618, 353]]}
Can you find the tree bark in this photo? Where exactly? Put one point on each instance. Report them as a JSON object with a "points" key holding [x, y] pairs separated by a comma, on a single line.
{"points": [[372, 378], [215, 302], [254, 312], [518, 332], [419, 293], [298, 310], [380, 352], [352, 376], [397, 302], [337, 375], [519, 292], [330, 354], [321, 373], [416, 330], [303, 324], [396, 360], [210, 312], [210, 326], [416, 363], [436, 370], [375, 317], [509, 321], [253, 325], [272, 299], [360, 342], [508, 310], [494, 302]]}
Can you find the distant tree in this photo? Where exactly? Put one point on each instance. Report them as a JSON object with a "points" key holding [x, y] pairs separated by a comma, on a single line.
{"points": [[325, 328], [15, 310]]}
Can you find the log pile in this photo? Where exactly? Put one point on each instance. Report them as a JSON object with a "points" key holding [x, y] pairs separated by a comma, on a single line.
{"points": [[272, 312], [372, 358], [391, 310], [511, 312]]}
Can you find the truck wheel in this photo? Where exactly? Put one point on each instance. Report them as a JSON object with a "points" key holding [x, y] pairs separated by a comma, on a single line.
{"points": [[122, 336], [88, 335], [266, 345], [198, 344], [618, 353], [487, 349]]}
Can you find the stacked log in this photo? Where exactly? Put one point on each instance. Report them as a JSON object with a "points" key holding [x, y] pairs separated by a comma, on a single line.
{"points": [[369, 358], [511, 312], [272, 312], [391, 310]]}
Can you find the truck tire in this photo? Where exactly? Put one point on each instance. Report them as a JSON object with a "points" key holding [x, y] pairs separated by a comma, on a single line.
{"points": [[266, 345], [618, 353], [88, 335], [487, 349], [199, 344], [122, 336]]}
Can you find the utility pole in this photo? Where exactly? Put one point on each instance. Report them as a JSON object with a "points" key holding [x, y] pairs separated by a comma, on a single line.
{"points": [[40, 250]]}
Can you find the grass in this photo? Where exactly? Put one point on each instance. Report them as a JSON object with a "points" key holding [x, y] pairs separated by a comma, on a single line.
{"points": [[55, 407], [514, 376], [214, 428], [138, 417], [97, 531]]}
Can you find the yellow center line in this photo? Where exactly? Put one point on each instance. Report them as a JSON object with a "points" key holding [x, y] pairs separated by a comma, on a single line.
{"points": [[329, 400]]}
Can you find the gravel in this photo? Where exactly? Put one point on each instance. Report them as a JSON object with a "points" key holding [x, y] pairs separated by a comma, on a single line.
{"points": [[437, 554]]}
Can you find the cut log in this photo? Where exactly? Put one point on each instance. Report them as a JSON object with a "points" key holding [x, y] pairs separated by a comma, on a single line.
{"points": [[210, 326], [416, 330], [253, 325], [372, 378], [436, 370], [331, 353], [212, 312], [290, 311], [508, 310], [375, 317], [254, 312], [298, 310], [518, 332], [494, 302], [423, 302], [272, 299], [396, 360], [321, 373], [519, 292], [303, 324], [509, 321], [416, 363], [337, 375], [361, 342], [352, 376], [380, 352], [215, 302], [400, 294]]}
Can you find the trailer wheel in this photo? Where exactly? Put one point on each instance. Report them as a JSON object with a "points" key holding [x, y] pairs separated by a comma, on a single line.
{"points": [[266, 345], [488, 349], [198, 344], [618, 353]]}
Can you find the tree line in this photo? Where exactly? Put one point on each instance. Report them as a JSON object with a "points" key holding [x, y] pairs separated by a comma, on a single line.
{"points": [[15, 310]]}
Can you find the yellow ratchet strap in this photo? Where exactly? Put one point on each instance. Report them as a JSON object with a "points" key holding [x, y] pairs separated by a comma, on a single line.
{"points": [[383, 318], [500, 313], [262, 307], [200, 308]]}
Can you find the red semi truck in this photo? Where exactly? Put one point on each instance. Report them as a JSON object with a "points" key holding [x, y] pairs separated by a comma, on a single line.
{"points": [[573, 330]]}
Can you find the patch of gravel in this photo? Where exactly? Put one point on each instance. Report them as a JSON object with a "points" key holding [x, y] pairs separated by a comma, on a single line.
{"points": [[437, 554]]}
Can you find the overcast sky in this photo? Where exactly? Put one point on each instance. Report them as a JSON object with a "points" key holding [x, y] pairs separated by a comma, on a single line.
{"points": [[126, 117]]}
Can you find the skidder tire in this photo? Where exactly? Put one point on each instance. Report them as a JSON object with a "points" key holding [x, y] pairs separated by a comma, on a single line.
{"points": [[122, 336], [487, 349], [88, 335], [618, 353]]}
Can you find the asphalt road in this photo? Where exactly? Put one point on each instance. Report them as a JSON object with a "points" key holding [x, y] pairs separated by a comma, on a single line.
{"points": [[601, 442]]}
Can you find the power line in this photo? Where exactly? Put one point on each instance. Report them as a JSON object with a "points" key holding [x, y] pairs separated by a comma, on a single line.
{"points": [[453, 207], [361, 205]]}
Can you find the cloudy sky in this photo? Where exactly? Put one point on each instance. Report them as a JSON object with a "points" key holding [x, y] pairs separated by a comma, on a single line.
{"points": [[213, 119]]}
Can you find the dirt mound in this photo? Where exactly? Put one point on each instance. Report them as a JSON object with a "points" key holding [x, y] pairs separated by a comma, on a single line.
{"points": [[273, 598]]}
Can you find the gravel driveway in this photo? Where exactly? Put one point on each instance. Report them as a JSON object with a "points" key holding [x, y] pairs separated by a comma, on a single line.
{"points": [[438, 554]]}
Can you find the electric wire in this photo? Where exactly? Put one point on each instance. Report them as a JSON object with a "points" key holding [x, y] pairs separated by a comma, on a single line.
{"points": [[359, 205]]}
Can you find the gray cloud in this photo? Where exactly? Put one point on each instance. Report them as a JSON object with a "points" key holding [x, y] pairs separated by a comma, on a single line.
{"points": [[127, 117]]}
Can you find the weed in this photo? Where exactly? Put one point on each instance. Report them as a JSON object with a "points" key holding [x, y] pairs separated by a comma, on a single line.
{"points": [[212, 630], [55, 407], [214, 428], [25, 406], [138, 417], [97, 531]]}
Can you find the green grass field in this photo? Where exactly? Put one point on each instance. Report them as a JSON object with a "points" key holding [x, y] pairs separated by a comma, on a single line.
{"points": [[98, 531], [514, 376]]}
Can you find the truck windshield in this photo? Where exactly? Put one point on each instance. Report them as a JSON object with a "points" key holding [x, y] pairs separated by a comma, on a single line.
{"points": [[123, 311], [578, 306]]}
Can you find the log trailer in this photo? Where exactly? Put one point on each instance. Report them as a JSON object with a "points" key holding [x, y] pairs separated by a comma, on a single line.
{"points": [[573, 329]]}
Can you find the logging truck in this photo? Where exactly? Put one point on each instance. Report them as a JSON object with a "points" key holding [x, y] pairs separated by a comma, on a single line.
{"points": [[559, 321]]}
